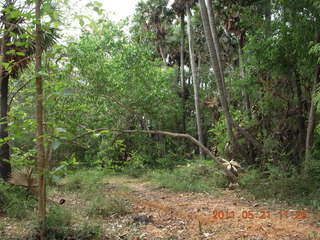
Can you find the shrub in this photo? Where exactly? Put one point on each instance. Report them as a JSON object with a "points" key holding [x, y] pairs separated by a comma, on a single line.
{"points": [[136, 166]]}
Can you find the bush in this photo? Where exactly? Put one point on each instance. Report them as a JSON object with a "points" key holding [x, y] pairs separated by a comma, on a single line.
{"points": [[136, 166]]}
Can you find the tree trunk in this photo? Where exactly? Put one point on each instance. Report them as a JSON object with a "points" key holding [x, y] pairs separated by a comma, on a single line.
{"points": [[5, 167], [214, 35], [245, 94], [300, 142], [195, 80], [162, 54], [310, 130], [312, 111], [40, 126], [214, 51], [182, 77], [267, 14]]}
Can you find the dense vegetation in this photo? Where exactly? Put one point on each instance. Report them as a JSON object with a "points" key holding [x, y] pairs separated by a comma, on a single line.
{"points": [[251, 97]]}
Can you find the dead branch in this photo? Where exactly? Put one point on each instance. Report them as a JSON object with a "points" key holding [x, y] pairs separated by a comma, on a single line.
{"points": [[218, 160]]}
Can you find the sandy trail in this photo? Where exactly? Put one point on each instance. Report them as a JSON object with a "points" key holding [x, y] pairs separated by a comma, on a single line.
{"points": [[220, 216]]}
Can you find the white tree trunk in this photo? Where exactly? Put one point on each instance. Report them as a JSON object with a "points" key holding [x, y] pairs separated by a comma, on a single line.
{"points": [[214, 51], [195, 80]]}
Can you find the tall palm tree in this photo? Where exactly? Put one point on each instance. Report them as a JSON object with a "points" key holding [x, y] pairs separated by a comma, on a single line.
{"points": [[12, 64], [213, 46], [194, 77]]}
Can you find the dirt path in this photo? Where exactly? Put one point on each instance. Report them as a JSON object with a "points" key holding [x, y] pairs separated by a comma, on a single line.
{"points": [[162, 214]]}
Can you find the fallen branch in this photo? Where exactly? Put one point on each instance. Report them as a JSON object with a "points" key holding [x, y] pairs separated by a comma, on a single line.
{"points": [[218, 160]]}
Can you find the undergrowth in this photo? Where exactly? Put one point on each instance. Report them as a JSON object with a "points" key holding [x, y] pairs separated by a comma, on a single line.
{"points": [[197, 176], [285, 185], [105, 206], [83, 179], [60, 227], [16, 202]]}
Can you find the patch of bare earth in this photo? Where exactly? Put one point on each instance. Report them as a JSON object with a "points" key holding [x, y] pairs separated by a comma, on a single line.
{"points": [[162, 214]]}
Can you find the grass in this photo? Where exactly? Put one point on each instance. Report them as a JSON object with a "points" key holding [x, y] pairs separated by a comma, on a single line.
{"points": [[61, 227], [16, 202], [198, 176], [290, 187], [83, 179], [314, 236], [105, 206], [69, 221]]}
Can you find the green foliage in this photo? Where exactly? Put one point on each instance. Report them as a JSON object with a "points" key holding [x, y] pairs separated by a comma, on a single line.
{"points": [[169, 161], [84, 180], [218, 135], [105, 206], [284, 184], [136, 166], [58, 221], [16, 202], [200, 176], [111, 152], [59, 227]]}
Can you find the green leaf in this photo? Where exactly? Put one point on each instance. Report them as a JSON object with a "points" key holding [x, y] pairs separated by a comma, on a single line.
{"points": [[61, 130], [20, 53], [20, 44], [66, 92], [56, 144], [81, 22]]}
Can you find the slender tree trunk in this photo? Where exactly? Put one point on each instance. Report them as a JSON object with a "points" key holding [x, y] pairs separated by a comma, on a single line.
{"points": [[214, 53], [300, 150], [312, 111], [182, 77], [40, 127], [214, 36], [267, 13], [195, 80], [246, 99], [162, 54], [310, 130], [214, 50], [5, 167], [242, 77]]}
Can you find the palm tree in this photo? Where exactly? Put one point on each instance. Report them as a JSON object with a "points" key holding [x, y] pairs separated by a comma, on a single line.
{"points": [[12, 64], [214, 50], [195, 78]]}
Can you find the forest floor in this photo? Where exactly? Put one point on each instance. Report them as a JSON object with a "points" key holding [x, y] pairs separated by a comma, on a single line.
{"points": [[163, 214], [157, 213]]}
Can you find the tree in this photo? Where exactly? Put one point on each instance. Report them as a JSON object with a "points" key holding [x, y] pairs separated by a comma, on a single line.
{"points": [[40, 125], [182, 72], [5, 167], [17, 47], [194, 78], [216, 65]]}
